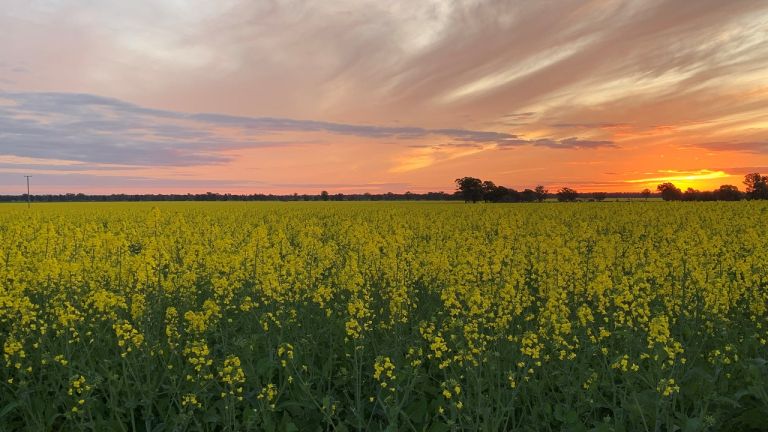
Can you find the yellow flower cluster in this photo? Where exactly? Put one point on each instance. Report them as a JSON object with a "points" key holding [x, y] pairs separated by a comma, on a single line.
{"points": [[172, 327], [530, 345], [451, 391], [13, 352], [233, 377], [198, 322], [199, 356], [128, 337], [384, 372], [359, 318], [268, 394], [623, 364], [667, 387], [190, 400], [285, 353], [78, 389]]}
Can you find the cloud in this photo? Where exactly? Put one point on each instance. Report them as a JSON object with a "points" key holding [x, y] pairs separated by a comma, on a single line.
{"points": [[519, 116], [366, 61], [96, 129], [568, 143], [590, 125], [744, 169], [69, 167], [576, 143], [75, 182], [760, 147]]}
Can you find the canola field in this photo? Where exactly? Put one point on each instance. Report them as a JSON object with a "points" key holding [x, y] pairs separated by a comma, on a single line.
{"points": [[641, 316]]}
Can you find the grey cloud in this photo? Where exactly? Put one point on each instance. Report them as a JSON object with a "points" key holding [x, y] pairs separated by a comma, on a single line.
{"points": [[95, 129], [56, 168], [76, 182]]}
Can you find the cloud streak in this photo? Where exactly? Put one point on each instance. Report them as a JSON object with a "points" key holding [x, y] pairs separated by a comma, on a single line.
{"points": [[760, 147], [94, 129]]}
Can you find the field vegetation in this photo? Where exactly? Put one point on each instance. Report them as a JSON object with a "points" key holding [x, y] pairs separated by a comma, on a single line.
{"points": [[636, 316]]}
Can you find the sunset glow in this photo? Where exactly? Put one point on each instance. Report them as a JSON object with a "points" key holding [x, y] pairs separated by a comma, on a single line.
{"points": [[349, 96], [685, 179]]}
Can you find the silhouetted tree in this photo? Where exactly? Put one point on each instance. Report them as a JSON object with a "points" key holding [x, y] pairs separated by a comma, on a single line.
{"points": [[567, 194], [646, 193], [471, 188], [512, 196], [541, 193], [324, 195], [691, 194], [489, 191], [669, 192], [757, 186], [728, 193], [529, 195], [599, 196], [493, 193]]}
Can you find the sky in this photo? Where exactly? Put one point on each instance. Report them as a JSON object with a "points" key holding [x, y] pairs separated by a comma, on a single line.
{"points": [[349, 96]]}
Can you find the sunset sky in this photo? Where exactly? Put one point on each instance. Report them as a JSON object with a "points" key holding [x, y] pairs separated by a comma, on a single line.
{"points": [[262, 96]]}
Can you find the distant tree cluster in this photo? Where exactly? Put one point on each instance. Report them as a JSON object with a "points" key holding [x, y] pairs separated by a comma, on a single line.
{"points": [[473, 189], [567, 194], [756, 189]]}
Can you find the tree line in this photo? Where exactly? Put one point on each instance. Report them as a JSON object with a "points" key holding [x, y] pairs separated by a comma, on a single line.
{"points": [[212, 196], [756, 189], [468, 189], [474, 190]]}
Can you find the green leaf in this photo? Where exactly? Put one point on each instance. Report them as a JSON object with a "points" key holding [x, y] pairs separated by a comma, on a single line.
{"points": [[694, 424], [8, 409], [571, 417], [602, 427], [439, 427]]}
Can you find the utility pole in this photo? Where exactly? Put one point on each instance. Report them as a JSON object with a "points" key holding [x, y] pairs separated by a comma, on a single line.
{"points": [[29, 202]]}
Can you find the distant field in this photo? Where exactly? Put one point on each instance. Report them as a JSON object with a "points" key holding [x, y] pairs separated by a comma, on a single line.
{"points": [[384, 316]]}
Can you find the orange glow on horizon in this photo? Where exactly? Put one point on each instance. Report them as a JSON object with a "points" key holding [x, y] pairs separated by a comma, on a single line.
{"points": [[701, 175]]}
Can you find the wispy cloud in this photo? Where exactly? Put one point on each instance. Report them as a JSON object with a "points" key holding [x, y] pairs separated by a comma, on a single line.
{"points": [[739, 146], [95, 129], [567, 143]]}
